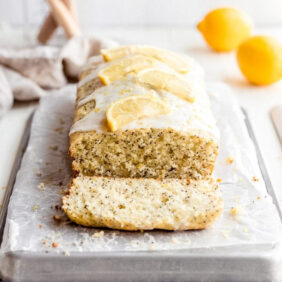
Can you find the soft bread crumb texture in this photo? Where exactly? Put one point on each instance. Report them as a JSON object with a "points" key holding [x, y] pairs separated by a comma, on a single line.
{"points": [[150, 153], [143, 204]]}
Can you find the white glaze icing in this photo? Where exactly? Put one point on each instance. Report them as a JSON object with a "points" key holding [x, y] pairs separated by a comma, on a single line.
{"points": [[92, 74], [184, 116], [93, 61]]}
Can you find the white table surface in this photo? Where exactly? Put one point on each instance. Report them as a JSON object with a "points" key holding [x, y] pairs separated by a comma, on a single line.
{"points": [[218, 66]]}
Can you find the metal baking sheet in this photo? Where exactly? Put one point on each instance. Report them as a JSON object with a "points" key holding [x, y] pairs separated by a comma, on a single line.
{"points": [[242, 263]]}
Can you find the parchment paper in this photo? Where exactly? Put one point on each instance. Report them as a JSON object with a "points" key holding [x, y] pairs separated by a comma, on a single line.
{"points": [[36, 223]]}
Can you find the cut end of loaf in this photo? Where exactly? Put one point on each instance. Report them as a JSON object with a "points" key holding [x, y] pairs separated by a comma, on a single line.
{"points": [[143, 204], [150, 153]]}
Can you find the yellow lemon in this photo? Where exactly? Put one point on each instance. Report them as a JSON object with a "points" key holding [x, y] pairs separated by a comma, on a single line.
{"points": [[225, 28], [172, 59], [128, 109], [260, 59], [169, 81]]}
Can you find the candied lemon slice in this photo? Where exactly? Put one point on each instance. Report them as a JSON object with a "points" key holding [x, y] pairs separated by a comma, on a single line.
{"points": [[128, 109], [170, 82], [175, 61], [118, 69]]}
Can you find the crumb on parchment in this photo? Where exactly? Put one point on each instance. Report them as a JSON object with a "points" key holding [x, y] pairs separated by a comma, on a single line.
{"points": [[59, 130], [255, 179], [230, 160], [54, 148], [63, 192], [57, 218], [41, 186], [35, 208], [98, 234], [235, 211], [175, 241], [40, 226], [218, 180], [55, 245]]}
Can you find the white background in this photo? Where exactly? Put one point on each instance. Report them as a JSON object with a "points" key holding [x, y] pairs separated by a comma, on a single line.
{"points": [[96, 13]]}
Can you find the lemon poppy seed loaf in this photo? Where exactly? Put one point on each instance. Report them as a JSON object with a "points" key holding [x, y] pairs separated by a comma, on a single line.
{"points": [[143, 143], [141, 114]]}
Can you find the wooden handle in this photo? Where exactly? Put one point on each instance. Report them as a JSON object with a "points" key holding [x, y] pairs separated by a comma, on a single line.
{"points": [[48, 28], [64, 18], [71, 5]]}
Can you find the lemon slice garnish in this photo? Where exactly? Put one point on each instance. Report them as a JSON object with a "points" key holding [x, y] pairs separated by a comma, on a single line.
{"points": [[128, 109], [173, 60], [118, 69], [169, 81]]}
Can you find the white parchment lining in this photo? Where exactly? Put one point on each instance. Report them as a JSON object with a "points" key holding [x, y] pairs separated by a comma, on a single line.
{"points": [[35, 222]]}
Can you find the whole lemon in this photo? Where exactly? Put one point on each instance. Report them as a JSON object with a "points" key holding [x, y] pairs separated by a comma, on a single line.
{"points": [[225, 28], [260, 59]]}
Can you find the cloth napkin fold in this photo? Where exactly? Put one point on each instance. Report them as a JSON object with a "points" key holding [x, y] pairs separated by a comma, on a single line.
{"points": [[30, 73]]}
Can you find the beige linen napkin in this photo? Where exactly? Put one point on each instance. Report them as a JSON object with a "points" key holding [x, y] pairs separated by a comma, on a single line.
{"points": [[27, 74]]}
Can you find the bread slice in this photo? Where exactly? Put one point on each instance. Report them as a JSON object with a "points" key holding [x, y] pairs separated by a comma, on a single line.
{"points": [[143, 204]]}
